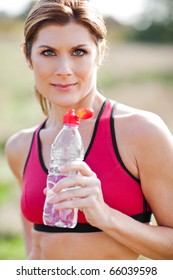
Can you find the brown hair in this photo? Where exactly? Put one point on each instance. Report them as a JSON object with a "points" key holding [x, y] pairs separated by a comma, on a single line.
{"points": [[46, 12]]}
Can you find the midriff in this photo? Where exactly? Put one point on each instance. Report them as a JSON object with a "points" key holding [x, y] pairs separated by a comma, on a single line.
{"points": [[78, 246]]}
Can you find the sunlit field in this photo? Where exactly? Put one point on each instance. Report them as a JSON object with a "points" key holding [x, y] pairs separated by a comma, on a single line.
{"points": [[139, 75]]}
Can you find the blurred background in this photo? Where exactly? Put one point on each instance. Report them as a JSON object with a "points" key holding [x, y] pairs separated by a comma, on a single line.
{"points": [[138, 71]]}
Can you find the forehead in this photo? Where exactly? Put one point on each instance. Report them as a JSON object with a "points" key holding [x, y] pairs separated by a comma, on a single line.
{"points": [[72, 34]]}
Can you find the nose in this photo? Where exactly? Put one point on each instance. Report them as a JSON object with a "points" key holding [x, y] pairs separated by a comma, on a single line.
{"points": [[63, 67]]}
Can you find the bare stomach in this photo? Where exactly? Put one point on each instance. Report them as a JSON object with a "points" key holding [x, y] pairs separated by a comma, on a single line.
{"points": [[78, 246]]}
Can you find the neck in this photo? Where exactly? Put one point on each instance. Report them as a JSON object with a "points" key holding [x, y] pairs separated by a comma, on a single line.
{"points": [[57, 112]]}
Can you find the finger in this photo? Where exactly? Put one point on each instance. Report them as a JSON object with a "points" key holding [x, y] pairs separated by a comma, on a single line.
{"points": [[74, 180], [80, 203], [72, 184], [68, 194], [77, 166], [68, 182]]}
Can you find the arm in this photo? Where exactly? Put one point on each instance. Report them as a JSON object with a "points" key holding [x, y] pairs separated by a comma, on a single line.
{"points": [[16, 154], [154, 157], [27, 232], [153, 153]]}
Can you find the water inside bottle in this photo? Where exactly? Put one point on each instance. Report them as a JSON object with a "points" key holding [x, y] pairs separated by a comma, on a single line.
{"points": [[53, 217]]}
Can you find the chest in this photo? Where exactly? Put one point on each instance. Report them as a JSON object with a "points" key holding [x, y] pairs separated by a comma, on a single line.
{"points": [[120, 190], [46, 138]]}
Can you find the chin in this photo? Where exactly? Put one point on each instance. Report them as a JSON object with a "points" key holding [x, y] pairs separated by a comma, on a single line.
{"points": [[70, 103]]}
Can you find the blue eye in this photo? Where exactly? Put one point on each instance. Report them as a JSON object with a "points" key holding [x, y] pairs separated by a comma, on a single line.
{"points": [[79, 52], [48, 53]]}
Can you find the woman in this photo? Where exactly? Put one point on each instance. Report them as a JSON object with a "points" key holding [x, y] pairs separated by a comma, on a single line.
{"points": [[127, 171]]}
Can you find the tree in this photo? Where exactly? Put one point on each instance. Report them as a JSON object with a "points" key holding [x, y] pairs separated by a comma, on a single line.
{"points": [[26, 11], [156, 23]]}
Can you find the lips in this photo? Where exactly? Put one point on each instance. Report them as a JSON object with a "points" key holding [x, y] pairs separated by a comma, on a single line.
{"points": [[63, 87]]}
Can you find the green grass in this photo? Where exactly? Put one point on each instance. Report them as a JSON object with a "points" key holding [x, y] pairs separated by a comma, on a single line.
{"points": [[12, 248], [5, 192], [108, 80], [164, 78], [18, 106]]}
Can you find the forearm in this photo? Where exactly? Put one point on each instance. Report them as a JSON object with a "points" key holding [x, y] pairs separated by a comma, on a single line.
{"points": [[154, 242], [28, 246], [27, 232]]}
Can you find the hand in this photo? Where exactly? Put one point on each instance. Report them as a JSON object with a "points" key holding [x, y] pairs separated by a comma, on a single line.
{"points": [[87, 197]]}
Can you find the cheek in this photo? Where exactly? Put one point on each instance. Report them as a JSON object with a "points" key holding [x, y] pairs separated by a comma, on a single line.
{"points": [[40, 67], [83, 73], [41, 71], [86, 70]]}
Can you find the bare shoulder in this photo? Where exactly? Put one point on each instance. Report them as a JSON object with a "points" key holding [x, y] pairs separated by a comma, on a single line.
{"points": [[16, 150], [145, 133], [144, 124], [147, 140]]}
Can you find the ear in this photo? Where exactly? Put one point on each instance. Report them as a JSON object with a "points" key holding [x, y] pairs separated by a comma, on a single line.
{"points": [[23, 47], [101, 54], [24, 51]]}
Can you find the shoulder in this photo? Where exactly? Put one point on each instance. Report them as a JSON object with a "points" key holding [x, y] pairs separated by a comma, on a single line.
{"points": [[16, 150], [18, 141], [151, 150], [143, 140], [141, 124]]}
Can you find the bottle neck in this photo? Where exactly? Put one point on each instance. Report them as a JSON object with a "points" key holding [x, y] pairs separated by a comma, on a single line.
{"points": [[70, 125]]}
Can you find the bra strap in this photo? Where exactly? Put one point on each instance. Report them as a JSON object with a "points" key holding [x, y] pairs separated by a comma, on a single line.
{"points": [[80, 227]]}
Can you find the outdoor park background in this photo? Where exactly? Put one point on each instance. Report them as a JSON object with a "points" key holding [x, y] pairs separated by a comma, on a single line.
{"points": [[138, 71]]}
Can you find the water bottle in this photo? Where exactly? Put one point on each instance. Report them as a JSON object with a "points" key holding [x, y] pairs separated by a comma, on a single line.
{"points": [[66, 147]]}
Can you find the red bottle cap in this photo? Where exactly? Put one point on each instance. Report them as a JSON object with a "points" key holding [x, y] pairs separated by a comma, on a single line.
{"points": [[85, 113], [71, 118]]}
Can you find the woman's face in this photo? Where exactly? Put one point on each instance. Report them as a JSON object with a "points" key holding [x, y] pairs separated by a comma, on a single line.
{"points": [[64, 60]]}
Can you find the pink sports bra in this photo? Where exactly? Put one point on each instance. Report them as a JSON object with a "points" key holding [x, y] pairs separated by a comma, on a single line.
{"points": [[121, 190]]}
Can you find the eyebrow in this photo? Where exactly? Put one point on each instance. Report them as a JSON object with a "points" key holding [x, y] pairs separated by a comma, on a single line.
{"points": [[54, 49]]}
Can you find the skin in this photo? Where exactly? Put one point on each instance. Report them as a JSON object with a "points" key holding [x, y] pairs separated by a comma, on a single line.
{"points": [[67, 78]]}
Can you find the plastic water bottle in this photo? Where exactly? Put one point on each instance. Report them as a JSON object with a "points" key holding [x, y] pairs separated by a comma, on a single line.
{"points": [[66, 147]]}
